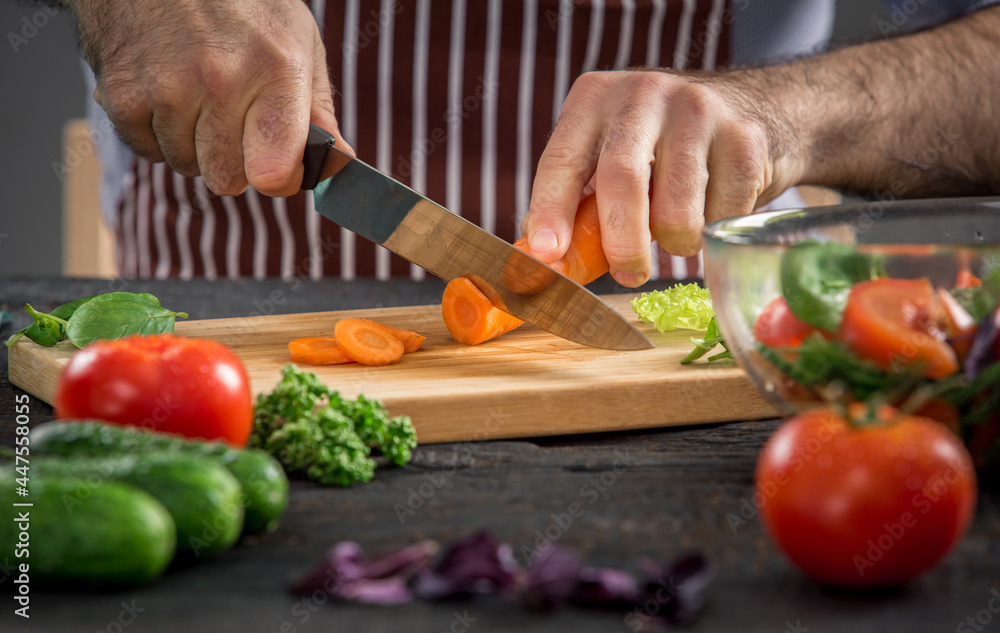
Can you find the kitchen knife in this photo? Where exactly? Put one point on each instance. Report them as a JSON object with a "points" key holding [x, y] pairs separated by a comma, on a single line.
{"points": [[374, 205]]}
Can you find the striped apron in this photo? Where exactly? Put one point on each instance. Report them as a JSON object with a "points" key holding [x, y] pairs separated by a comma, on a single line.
{"points": [[455, 98]]}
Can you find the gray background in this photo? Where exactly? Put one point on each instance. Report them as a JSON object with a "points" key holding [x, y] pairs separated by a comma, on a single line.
{"points": [[42, 87]]}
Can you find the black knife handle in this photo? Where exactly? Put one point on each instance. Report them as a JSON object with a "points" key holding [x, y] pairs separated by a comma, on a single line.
{"points": [[317, 149]]}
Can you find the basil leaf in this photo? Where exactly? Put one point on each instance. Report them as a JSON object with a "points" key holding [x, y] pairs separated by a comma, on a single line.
{"points": [[152, 299], [119, 314], [66, 310], [816, 278]]}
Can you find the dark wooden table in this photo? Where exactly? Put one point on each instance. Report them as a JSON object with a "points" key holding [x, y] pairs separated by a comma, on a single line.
{"points": [[675, 494]]}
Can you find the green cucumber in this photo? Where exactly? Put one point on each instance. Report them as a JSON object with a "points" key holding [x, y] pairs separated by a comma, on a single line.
{"points": [[265, 485], [202, 496], [118, 536]]}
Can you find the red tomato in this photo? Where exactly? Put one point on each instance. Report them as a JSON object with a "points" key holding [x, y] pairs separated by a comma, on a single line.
{"points": [[777, 326], [893, 323], [194, 387], [941, 412], [870, 506]]}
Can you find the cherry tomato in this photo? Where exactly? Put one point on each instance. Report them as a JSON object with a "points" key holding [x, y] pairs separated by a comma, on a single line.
{"points": [[893, 323], [777, 326], [193, 387], [865, 506]]}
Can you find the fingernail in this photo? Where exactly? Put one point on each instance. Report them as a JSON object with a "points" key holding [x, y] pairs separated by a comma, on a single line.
{"points": [[630, 280], [543, 240]]}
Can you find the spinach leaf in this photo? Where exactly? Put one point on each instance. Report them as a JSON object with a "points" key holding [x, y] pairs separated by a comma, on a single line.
{"points": [[119, 314], [816, 278]]}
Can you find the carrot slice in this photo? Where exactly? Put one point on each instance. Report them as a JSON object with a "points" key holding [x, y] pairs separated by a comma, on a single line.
{"points": [[318, 350], [470, 316], [411, 340], [583, 262], [367, 342]]}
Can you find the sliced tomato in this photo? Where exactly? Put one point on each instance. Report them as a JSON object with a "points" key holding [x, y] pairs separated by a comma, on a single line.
{"points": [[957, 323], [967, 280], [777, 326], [892, 323]]}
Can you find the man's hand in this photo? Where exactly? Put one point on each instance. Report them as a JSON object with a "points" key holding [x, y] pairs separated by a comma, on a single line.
{"points": [[221, 88], [665, 153], [913, 116]]}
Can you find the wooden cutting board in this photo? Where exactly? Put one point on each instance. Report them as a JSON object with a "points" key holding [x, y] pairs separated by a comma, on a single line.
{"points": [[526, 383]]}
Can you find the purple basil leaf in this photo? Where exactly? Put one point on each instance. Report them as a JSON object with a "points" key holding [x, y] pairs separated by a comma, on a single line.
{"points": [[477, 564], [605, 587], [678, 587], [982, 353], [394, 590], [347, 574], [552, 579]]}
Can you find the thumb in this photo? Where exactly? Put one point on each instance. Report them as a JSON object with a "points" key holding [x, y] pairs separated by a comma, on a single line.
{"points": [[274, 137]]}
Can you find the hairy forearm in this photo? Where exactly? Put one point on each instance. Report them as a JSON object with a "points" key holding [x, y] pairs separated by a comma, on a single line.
{"points": [[913, 116]]}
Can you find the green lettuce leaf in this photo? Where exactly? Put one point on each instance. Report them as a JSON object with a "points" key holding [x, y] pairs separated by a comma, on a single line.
{"points": [[686, 306]]}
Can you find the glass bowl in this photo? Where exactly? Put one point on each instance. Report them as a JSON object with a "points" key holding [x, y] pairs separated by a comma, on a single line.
{"points": [[753, 260]]}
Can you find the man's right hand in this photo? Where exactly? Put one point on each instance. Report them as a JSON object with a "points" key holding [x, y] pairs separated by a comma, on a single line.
{"points": [[221, 88]]}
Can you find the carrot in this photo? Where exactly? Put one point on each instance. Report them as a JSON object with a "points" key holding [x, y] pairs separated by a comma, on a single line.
{"points": [[469, 318], [367, 342], [318, 350], [584, 260], [470, 315], [411, 340]]}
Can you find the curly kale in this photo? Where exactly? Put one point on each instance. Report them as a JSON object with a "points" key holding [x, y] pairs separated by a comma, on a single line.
{"points": [[312, 429]]}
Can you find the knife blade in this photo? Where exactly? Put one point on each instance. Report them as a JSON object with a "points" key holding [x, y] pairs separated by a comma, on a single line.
{"points": [[366, 201]]}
